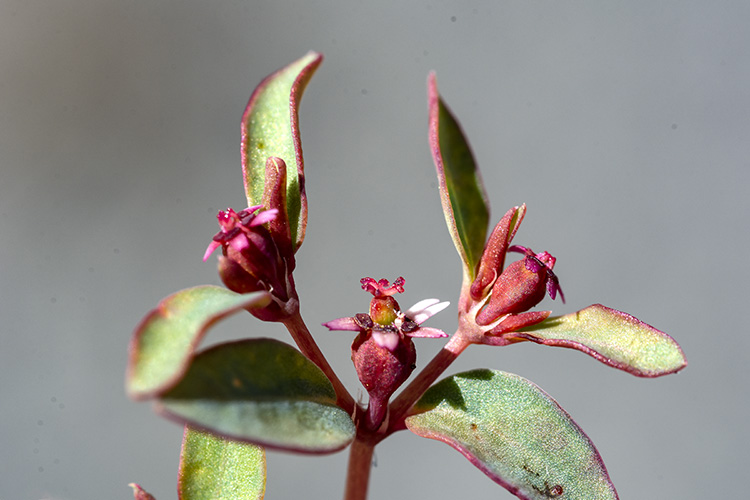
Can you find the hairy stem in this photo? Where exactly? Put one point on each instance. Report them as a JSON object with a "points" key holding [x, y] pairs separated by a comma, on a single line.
{"points": [[424, 379], [358, 473], [302, 337]]}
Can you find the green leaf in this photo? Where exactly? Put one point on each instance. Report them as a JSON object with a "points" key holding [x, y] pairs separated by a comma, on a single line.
{"points": [[462, 193], [515, 433], [262, 391], [270, 127], [164, 341], [216, 468], [613, 337]]}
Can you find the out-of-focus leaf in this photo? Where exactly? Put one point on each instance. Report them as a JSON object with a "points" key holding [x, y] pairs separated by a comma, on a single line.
{"points": [[462, 193], [613, 337], [139, 493], [270, 128], [262, 391], [515, 433], [216, 468], [164, 341]]}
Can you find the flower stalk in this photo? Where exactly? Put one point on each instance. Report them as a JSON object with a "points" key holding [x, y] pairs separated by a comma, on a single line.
{"points": [[302, 337], [426, 377]]}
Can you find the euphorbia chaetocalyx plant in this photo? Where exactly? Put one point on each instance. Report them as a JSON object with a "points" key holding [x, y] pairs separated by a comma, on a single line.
{"points": [[235, 399]]}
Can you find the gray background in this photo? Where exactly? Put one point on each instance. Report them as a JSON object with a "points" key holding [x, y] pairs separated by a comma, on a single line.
{"points": [[623, 125]]}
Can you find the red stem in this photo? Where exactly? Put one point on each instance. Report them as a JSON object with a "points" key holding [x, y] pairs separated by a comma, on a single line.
{"points": [[302, 337], [360, 455], [358, 473], [424, 380]]}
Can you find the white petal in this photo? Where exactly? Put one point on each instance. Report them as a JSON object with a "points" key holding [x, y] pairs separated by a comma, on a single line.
{"points": [[387, 340], [432, 333], [422, 304], [425, 309]]}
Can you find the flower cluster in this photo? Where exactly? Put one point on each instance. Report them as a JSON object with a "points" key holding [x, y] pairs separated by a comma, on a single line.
{"points": [[253, 261], [499, 299]]}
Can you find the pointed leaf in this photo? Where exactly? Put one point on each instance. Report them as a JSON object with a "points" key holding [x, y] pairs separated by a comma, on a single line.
{"points": [[462, 193], [216, 468], [615, 338], [270, 128], [515, 433], [139, 493], [163, 343], [262, 391]]}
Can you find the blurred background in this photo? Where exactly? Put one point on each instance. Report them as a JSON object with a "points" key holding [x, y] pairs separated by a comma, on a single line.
{"points": [[624, 126]]}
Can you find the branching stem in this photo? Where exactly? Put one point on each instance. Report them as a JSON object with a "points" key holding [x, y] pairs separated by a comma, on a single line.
{"points": [[424, 379]]}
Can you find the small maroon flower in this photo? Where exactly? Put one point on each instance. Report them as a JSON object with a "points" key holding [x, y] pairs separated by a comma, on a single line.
{"points": [[252, 260], [521, 286], [383, 353], [386, 323], [499, 298], [236, 227]]}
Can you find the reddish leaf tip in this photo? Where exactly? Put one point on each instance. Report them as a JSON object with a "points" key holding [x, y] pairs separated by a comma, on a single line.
{"points": [[139, 493]]}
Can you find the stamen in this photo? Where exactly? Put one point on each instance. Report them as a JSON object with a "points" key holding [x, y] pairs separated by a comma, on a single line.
{"points": [[364, 321]]}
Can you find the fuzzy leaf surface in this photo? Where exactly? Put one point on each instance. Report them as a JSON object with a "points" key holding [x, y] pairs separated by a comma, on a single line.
{"points": [[165, 340], [515, 433], [462, 193], [215, 468], [613, 337], [261, 391], [270, 127]]}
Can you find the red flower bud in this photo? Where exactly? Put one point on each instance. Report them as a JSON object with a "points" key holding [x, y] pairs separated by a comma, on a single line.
{"points": [[521, 286], [493, 257], [253, 261]]}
